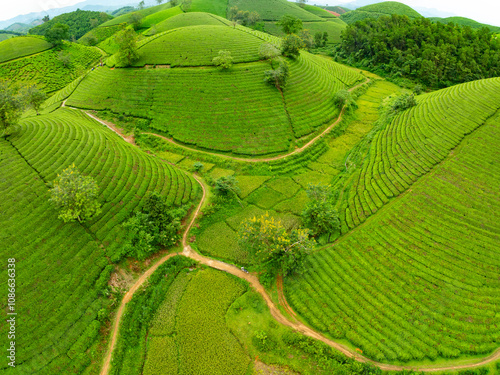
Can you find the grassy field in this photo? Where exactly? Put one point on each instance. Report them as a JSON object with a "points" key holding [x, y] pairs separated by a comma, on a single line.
{"points": [[187, 19], [47, 71], [15, 48], [420, 280], [273, 10], [218, 7], [160, 16], [101, 33], [198, 45], [5, 36], [63, 269], [320, 12], [144, 13]]}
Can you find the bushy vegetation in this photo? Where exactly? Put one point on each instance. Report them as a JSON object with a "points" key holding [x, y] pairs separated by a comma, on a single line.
{"points": [[23, 46], [433, 54], [79, 23], [369, 273]]}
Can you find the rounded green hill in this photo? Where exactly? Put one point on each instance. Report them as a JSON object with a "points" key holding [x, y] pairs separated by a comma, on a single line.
{"points": [[15, 48], [385, 8]]}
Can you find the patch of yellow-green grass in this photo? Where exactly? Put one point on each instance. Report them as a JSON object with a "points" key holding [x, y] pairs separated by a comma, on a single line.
{"points": [[248, 184], [285, 186]]}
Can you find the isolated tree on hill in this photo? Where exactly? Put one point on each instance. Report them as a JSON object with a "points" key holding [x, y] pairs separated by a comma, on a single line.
{"points": [[46, 18], [127, 43], [75, 195], [224, 60], [344, 98], [291, 46], [34, 97], [403, 102], [302, 3], [173, 3], [159, 2], [65, 58], [135, 20], [320, 214], [290, 24], [272, 247], [56, 34], [141, 5], [307, 39], [12, 104], [279, 74], [227, 184], [268, 52]]}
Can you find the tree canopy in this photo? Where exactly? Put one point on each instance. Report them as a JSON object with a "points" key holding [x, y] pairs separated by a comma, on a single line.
{"points": [[290, 24], [433, 54], [127, 47], [320, 214], [56, 34], [12, 103]]}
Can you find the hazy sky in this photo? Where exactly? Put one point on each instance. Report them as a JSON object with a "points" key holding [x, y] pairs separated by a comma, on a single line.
{"points": [[486, 11]]}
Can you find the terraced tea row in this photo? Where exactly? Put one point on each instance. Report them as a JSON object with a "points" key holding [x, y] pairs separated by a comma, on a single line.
{"points": [[420, 279], [217, 110], [187, 19], [198, 45], [63, 268], [273, 10], [15, 48], [414, 142]]}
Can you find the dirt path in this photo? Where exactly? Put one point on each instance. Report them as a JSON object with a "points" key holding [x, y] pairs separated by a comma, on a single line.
{"points": [[279, 157], [128, 138]]}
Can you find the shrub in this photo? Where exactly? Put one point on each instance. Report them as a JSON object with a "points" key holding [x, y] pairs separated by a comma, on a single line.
{"points": [[403, 102], [224, 60]]}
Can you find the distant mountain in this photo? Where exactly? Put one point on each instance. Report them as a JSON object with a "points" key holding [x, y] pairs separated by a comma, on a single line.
{"points": [[95, 5], [23, 28]]}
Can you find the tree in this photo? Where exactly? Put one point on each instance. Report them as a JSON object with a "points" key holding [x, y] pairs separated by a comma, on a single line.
{"points": [[320, 214], [291, 46], [65, 58], [403, 102], [56, 34], [302, 3], [307, 39], [127, 47], [141, 5], [75, 195], [279, 74], [12, 105], [224, 60], [35, 97], [46, 18], [173, 3], [290, 24], [325, 38], [272, 247], [198, 166], [186, 4], [159, 2], [226, 184], [135, 20], [344, 98], [268, 52], [94, 22]]}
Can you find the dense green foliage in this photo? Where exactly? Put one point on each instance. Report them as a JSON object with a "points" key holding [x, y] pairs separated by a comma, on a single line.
{"points": [[23, 46], [75, 195], [56, 34], [433, 54], [290, 24], [127, 47], [79, 23], [291, 46], [320, 214], [378, 10], [436, 246], [63, 301], [12, 103], [47, 70], [272, 248]]}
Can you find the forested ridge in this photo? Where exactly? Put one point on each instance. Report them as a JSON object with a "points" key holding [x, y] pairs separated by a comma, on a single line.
{"points": [[434, 54]]}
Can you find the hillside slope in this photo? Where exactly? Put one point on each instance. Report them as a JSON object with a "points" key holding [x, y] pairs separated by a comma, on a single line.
{"points": [[385, 8], [420, 279]]}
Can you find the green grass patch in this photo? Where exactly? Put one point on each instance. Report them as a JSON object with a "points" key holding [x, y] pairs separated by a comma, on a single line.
{"points": [[187, 19], [248, 184], [294, 205], [284, 185], [217, 7], [220, 241], [273, 10], [14, 48]]}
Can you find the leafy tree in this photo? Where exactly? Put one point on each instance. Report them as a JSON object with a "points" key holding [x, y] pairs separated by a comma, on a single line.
{"points": [[344, 98], [307, 39], [224, 60], [46, 18], [243, 17], [291, 45], [403, 102], [290, 24], [35, 97], [75, 195], [141, 5], [226, 184], [94, 22], [65, 58], [135, 20], [159, 2], [12, 104], [319, 214], [198, 166], [272, 247], [302, 3], [325, 38], [279, 74], [156, 226], [173, 3], [127, 47], [318, 39], [268, 52], [56, 34], [186, 5]]}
